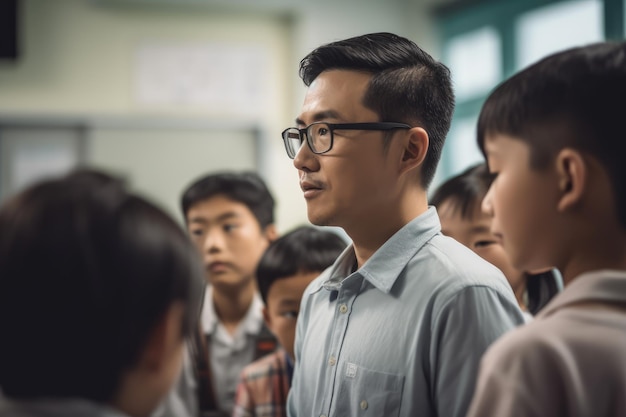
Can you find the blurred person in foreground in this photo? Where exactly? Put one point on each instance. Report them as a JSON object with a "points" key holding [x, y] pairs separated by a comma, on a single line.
{"points": [[98, 289]]}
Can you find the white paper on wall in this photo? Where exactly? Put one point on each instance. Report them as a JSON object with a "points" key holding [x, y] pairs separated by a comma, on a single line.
{"points": [[219, 77]]}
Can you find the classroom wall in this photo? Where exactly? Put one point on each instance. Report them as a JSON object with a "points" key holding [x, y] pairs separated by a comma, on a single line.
{"points": [[81, 65]]}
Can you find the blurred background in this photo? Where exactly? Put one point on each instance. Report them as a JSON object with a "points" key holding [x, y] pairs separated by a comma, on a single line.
{"points": [[163, 91]]}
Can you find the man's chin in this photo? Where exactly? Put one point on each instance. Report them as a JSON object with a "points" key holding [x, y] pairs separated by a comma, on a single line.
{"points": [[320, 220]]}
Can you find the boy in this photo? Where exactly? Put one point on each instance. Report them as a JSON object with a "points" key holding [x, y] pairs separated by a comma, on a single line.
{"points": [[553, 138], [458, 201], [98, 289], [230, 218], [286, 268], [398, 324]]}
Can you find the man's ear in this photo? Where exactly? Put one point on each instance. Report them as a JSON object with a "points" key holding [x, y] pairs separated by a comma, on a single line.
{"points": [[572, 171], [164, 340], [415, 149]]}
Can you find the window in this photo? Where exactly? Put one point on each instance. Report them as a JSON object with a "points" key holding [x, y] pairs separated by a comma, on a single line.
{"points": [[474, 59], [485, 42], [578, 23]]}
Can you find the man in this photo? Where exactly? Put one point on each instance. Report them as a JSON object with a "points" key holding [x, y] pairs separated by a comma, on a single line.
{"points": [[398, 324]]}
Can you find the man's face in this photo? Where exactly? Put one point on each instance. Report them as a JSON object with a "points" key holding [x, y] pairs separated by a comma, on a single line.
{"points": [[283, 306], [229, 238], [475, 233], [356, 180], [522, 202]]}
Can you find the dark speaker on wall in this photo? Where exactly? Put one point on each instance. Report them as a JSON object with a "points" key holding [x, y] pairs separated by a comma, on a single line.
{"points": [[9, 30]]}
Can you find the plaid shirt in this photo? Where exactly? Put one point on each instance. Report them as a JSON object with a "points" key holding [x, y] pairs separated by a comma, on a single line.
{"points": [[263, 387]]}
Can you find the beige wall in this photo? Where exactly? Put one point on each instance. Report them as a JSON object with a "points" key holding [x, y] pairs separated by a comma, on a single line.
{"points": [[79, 63]]}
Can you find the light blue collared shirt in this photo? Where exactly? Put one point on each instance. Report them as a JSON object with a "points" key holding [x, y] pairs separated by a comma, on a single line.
{"points": [[404, 334]]}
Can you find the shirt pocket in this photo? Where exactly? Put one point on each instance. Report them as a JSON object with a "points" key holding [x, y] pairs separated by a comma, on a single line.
{"points": [[364, 392]]}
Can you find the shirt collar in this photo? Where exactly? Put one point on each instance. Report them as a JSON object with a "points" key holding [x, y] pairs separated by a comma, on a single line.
{"points": [[401, 247], [251, 323], [604, 286]]}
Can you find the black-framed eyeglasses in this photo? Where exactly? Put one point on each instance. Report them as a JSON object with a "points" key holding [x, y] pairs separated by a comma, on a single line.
{"points": [[319, 135]]}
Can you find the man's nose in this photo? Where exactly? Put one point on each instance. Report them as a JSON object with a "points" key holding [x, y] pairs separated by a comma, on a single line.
{"points": [[305, 159]]}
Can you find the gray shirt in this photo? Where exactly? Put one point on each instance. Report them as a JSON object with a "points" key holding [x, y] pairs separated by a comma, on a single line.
{"points": [[402, 335]]}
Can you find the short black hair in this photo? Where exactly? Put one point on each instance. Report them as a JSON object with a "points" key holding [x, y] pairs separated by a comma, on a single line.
{"points": [[244, 187], [87, 270], [304, 249], [464, 191], [407, 84], [574, 98]]}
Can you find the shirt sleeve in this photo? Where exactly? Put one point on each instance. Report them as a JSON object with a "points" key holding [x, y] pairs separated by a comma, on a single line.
{"points": [[470, 321]]}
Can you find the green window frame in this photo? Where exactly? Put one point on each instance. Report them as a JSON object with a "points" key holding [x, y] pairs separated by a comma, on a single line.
{"points": [[501, 15]]}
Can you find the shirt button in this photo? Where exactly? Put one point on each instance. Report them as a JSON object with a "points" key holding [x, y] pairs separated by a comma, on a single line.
{"points": [[332, 361], [343, 308], [364, 405]]}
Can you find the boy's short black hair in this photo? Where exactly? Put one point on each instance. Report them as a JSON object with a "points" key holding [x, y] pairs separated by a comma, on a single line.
{"points": [[464, 191], [304, 249], [87, 270], [407, 85], [575, 98], [244, 187]]}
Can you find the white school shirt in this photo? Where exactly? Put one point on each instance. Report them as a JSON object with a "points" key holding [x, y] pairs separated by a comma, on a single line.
{"points": [[229, 354]]}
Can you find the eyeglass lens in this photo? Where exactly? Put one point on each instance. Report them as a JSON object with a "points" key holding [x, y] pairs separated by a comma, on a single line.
{"points": [[293, 141], [319, 138]]}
